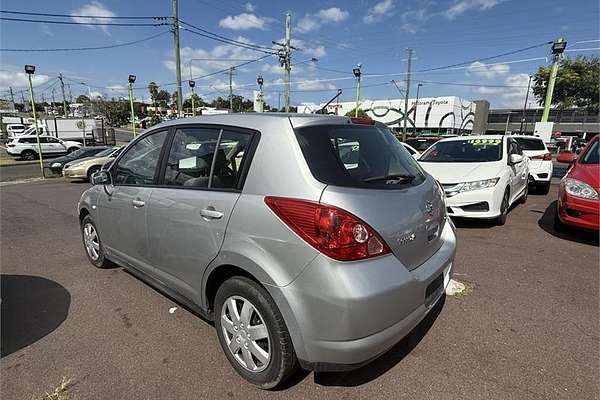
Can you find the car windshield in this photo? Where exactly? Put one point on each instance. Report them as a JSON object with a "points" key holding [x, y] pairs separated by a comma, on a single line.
{"points": [[530, 144], [358, 156], [78, 153], [592, 156], [464, 150]]}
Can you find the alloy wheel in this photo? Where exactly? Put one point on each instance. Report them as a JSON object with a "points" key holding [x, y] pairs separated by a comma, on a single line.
{"points": [[90, 239], [245, 334]]}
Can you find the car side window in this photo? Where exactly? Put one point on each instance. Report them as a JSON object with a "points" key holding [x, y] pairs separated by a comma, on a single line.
{"points": [[190, 157], [138, 164], [53, 140], [42, 140], [230, 159]]}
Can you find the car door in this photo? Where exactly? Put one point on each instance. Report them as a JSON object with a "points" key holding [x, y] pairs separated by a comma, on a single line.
{"points": [[518, 175], [188, 213], [122, 205], [55, 146]]}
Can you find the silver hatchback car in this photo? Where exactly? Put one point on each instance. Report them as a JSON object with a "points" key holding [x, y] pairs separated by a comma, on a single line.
{"points": [[309, 240]]}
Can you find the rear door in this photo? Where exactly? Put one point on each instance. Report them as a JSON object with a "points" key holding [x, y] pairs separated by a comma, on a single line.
{"points": [[55, 146], [518, 171], [188, 214]]}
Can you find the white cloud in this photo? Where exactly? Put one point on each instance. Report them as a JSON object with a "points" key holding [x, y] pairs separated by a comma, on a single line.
{"points": [[461, 6], [379, 11], [94, 8], [482, 70], [249, 7], [96, 94], [244, 21], [17, 79], [411, 21], [311, 22], [511, 96], [314, 85]]}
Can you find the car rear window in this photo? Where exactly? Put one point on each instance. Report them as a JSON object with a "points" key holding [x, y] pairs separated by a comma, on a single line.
{"points": [[358, 156], [530, 144], [421, 144]]}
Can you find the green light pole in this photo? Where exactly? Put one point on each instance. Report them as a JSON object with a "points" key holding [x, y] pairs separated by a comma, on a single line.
{"points": [[558, 47], [30, 70], [357, 74], [261, 95], [192, 85], [131, 82]]}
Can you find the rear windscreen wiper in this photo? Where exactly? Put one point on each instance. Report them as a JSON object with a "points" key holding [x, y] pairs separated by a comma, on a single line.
{"points": [[392, 177]]}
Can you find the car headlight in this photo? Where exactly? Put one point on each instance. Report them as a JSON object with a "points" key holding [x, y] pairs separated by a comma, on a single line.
{"points": [[579, 189], [476, 185], [56, 165]]}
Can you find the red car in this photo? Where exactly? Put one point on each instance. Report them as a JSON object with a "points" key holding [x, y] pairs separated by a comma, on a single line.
{"points": [[578, 202]]}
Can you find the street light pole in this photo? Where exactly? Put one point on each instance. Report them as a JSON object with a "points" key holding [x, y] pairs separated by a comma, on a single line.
{"points": [[131, 80], [357, 73], [525, 104], [192, 84], [30, 70], [558, 47], [260, 82], [416, 104]]}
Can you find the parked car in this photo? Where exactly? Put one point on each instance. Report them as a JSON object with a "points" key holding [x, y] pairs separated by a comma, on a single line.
{"points": [[255, 222], [26, 146], [413, 152], [14, 129], [422, 143], [578, 203], [56, 164], [86, 167], [540, 162], [481, 175]]}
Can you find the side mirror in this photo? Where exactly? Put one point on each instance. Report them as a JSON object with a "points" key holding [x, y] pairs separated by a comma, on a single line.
{"points": [[515, 158], [566, 157], [101, 178]]}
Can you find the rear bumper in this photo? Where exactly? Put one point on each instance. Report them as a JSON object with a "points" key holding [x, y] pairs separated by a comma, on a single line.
{"points": [[542, 173], [577, 212], [347, 314]]}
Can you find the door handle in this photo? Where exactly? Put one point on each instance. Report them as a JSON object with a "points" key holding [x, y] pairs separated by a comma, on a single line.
{"points": [[211, 213], [137, 203]]}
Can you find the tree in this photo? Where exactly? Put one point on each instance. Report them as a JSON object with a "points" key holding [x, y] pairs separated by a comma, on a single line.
{"points": [[163, 97], [82, 99], [361, 113], [577, 83], [153, 90], [116, 112], [197, 102]]}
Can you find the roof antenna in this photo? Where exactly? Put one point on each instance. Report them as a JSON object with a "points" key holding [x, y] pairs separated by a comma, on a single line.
{"points": [[322, 110]]}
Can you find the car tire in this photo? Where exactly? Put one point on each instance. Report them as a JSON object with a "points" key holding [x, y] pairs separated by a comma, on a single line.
{"points": [[91, 240], [92, 171], [543, 188], [28, 155], [72, 149], [281, 361], [501, 220]]}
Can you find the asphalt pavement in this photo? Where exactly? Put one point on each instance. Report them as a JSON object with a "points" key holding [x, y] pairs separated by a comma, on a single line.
{"points": [[527, 327]]}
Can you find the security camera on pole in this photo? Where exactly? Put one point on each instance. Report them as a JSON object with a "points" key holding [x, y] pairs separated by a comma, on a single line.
{"points": [[357, 73], [30, 70], [131, 80], [192, 85]]}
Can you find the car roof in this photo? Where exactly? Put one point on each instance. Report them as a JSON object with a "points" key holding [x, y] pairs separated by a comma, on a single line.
{"points": [[256, 120], [471, 137]]}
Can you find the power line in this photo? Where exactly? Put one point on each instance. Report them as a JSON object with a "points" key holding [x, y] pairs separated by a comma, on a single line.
{"points": [[80, 16], [247, 47], [216, 36], [90, 48], [470, 84], [45, 21]]}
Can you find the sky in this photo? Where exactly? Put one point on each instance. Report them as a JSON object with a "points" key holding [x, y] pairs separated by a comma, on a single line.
{"points": [[339, 34]]}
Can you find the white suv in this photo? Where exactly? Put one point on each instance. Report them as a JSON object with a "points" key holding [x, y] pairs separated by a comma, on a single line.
{"points": [[540, 161], [26, 146]]}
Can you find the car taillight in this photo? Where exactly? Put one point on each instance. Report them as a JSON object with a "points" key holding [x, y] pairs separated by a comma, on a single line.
{"points": [[362, 120], [331, 230], [544, 157]]}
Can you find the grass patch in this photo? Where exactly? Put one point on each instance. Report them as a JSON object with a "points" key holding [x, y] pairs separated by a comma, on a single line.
{"points": [[61, 392]]}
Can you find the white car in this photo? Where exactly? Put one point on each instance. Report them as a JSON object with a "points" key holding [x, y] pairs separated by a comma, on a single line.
{"points": [[413, 152], [26, 147], [482, 176], [540, 162], [15, 129]]}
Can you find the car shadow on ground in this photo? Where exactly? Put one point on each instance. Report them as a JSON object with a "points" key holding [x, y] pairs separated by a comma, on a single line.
{"points": [[385, 362], [32, 307], [546, 222]]}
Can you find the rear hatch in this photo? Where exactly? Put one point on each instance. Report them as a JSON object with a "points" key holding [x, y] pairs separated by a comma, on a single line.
{"points": [[535, 149], [371, 175]]}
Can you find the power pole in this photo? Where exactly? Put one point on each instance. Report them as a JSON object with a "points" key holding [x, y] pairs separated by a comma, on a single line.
{"points": [[525, 105], [177, 55], [407, 92], [53, 101], [23, 101], [558, 47], [278, 101], [287, 60], [70, 94], [62, 88], [231, 89], [12, 98]]}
